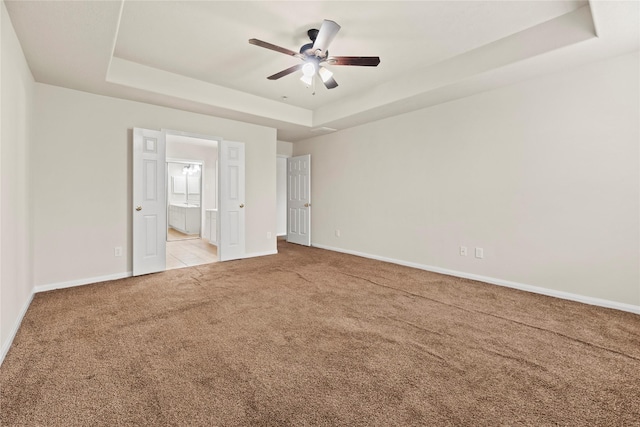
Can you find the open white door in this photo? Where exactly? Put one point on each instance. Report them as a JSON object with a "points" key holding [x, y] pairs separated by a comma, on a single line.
{"points": [[149, 202], [232, 210], [299, 200]]}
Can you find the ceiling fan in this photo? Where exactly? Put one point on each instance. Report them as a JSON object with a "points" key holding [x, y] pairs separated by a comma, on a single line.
{"points": [[315, 54]]}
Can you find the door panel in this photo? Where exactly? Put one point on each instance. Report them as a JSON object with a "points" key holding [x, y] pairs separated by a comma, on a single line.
{"points": [[293, 222], [299, 200], [151, 225], [232, 203], [149, 202], [150, 180]]}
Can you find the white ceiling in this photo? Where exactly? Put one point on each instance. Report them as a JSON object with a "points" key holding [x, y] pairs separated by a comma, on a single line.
{"points": [[196, 56]]}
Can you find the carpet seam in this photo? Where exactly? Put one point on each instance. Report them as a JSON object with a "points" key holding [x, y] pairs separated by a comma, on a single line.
{"points": [[495, 316]]}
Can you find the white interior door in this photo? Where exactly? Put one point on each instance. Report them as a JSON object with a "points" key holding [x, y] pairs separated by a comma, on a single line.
{"points": [[149, 201], [299, 200], [232, 203]]}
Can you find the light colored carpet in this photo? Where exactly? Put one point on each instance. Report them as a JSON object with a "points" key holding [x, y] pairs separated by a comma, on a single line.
{"points": [[312, 337]]}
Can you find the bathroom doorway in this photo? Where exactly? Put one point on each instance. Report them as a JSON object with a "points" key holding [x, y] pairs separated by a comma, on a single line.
{"points": [[192, 200], [222, 197]]}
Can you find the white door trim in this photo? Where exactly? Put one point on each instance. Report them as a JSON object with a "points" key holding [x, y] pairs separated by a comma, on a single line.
{"points": [[161, 236], [191, 135], [218, 140]]}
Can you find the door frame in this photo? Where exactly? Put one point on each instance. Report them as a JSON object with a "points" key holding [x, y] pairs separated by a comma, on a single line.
{"points": [[218, 140]]}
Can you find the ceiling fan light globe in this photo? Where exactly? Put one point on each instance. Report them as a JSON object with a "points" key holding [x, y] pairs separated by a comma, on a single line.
{"points": [[325, 74], [308, 80], [309, 69]]}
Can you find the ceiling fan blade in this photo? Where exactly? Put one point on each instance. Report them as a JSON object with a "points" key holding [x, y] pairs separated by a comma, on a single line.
{"points": [[330, 83], [286, 72], [363, 61], [327, 32], [274, 47]]}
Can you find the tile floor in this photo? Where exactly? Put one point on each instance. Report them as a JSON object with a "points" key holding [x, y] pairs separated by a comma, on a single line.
{"points": [[173, 234], [187, 253]]}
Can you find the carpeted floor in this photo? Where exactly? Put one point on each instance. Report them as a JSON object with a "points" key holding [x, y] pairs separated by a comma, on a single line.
{"points": [[312, 337]]}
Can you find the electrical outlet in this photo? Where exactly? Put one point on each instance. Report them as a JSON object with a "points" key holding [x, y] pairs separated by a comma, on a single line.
{"points": [[268, 234], [463, 251], [337, 233], [479, 253], [117, 251]]}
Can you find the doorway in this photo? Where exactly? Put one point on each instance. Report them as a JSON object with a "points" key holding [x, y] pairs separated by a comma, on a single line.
{"points": [[192, 199], [223, 200]]}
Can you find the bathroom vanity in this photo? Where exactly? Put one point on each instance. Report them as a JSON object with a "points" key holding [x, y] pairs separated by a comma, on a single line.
{"points": [[211, 227], [185, 217]]}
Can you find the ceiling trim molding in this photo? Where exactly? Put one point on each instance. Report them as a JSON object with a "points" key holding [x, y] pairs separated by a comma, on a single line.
{"points": [[454, 78], [138, 76]]}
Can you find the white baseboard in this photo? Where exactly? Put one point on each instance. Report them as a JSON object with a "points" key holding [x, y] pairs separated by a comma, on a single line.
{"points": [[529, 288], [80, 282], [7, 344], [257, 254], [90, 280]]}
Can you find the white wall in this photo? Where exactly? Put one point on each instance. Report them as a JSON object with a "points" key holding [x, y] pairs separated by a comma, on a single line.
{"points": [[285, 148], [16, 88], [544, 175], [81, 167]]}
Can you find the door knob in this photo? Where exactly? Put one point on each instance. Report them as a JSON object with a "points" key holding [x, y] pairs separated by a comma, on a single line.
{"points": [[242, 205], [138, 208], [306, 205]]}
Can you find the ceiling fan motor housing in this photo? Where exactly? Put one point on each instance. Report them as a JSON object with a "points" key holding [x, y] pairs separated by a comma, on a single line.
{"points": [[313, 34], [305, 48]]}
